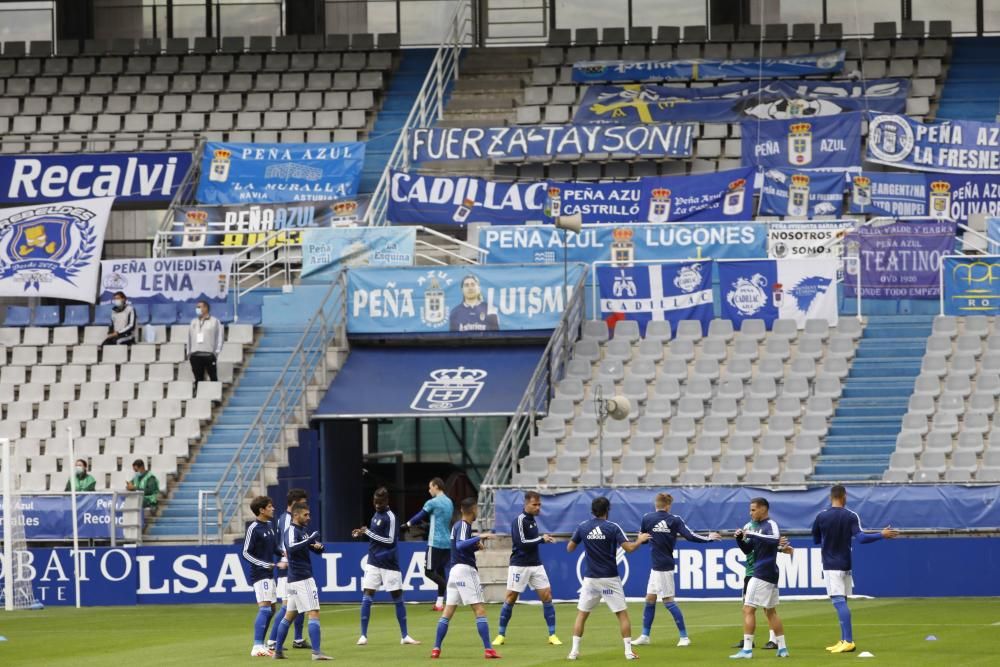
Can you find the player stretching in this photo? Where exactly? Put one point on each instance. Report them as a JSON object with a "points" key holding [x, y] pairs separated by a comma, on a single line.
{"points": [[382, 568], [526, 568], [439, 509], [664, 528], [463, 579], [303, 596], [835, 528], [260, 552], [762, 591], [281, 525], [601, 539], [747, 576]]}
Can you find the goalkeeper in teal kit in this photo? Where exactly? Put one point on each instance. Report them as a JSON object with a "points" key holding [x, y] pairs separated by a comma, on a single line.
{"points": [[438, 510]]}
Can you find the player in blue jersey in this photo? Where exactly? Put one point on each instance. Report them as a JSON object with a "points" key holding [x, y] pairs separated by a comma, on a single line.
{"points": [[835, 528], [463, 580], [601, 539], [526, 568], [303, 597], [762, 591], [472, 314], [382, 568], [261, 553], [438, 510], [664, 528], [280, 526]]}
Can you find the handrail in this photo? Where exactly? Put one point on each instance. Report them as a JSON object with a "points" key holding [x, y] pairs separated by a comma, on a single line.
{"points": [[535, 399], [267, 429], [428, 107]]}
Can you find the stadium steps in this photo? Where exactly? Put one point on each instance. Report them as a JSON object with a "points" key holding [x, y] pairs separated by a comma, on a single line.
{"points": [[178, 517], [972, 89], [407, 78], [876, 393]]}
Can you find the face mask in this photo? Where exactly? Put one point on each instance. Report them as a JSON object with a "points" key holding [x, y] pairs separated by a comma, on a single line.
{"points": [[79, 471], [200, 311], [119, 303]]}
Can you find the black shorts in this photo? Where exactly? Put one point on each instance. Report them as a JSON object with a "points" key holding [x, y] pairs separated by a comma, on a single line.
{"points": [[437, 560]]}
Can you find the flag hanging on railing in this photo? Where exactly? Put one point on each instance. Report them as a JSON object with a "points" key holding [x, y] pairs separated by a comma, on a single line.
{"points": [[648, 292], [769, 289]]}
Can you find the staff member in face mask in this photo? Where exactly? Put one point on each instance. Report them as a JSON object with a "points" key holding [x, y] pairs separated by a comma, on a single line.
{"points": [[81, 479], [122, 330], [204, 344]]}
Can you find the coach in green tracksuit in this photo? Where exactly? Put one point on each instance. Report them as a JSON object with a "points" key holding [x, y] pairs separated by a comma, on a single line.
{"points": [[146, 482], [748, 572], [81, 480]]}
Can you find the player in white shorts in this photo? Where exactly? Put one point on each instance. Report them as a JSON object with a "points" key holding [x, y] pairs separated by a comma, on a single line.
{"points": [[260, 554], [601, 539], [382, 566], [526, 569]]}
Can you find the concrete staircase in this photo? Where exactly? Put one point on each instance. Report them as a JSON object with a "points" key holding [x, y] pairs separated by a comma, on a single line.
{"points": [[877, 390], [492, 563]]}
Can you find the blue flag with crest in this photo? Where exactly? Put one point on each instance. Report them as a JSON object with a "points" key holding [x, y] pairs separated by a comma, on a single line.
{"points": [[648, 292]]}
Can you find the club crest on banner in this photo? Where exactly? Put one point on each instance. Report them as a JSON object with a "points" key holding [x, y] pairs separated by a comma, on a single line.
{"points": [[798, 196], [450, 389], [623, 285], [733, 201], [861, 191], [47, 247], [800, 144], [940, 200], [554, 207], [688, 278], [435, 310], [889, 138], [659, 205], [345, 213], [221, 160], [748, 295], [622, 247]]}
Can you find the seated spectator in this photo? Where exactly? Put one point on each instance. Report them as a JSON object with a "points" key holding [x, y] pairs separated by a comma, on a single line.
{"points": [[81, 479], [122, 330], [146, 482], [204, 344]]}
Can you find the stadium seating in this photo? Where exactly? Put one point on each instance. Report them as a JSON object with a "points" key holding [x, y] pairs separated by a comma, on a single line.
{"points": [[120, 402], [749, 406], [947, 431], [129, 98]]}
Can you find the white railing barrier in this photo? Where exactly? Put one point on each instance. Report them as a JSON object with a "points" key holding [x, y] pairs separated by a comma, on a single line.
{"points": [[429, 105]]}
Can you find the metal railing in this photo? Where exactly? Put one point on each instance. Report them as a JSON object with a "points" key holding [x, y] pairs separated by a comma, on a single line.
{"points": [[184, 194], [220, 507], [428, 107], [548, 372]]}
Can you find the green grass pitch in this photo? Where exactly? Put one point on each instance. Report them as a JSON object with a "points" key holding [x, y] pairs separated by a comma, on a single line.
{"points": [[895, 630]]}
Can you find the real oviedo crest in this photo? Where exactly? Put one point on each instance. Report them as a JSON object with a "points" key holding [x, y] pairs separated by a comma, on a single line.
{"points": [[53, 250], [450, 389], [800, 144]]}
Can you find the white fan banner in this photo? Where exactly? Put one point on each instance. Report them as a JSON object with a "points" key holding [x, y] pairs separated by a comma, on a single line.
{"points": [[53, 250]]}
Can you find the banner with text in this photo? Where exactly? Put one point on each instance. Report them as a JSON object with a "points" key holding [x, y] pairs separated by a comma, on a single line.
{"points": [[795, 239], [657, 292], [456, 299], [970, 286], [889, 193], [450, 200], [275, 173], [830, 143], [648, 103], [541, 141], [197, 227], [721, 196], [900, 261], [768, 289], [953, 146], [624, 244], [167, 279], [53, 250], [328, 250], [797, 194], [50, 517], [128, 177], [698, 69]]}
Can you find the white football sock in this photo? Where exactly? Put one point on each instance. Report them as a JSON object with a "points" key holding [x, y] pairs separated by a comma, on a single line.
{"points": [[770, 636], [628, 644], [780, 639], [576, 643], [747, 642]]}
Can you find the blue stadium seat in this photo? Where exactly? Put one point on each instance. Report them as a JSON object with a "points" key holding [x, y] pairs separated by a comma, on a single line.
{"points": [[102, 314], [17, 316], [164, 313], [223, 311], [249, 313], [46, 316], [77, 316], [141, 313]]}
